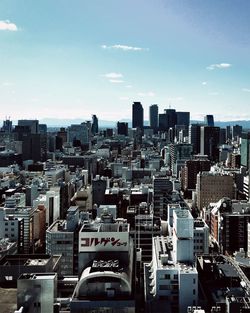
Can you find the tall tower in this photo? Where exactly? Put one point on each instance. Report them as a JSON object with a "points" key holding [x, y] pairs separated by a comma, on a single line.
{"points": [[209, 141], [94, 124], [137, 115], [209, 120], [153, 116]]}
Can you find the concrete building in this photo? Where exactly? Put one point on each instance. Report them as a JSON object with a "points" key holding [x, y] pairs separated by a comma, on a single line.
{"points": [[78, 132], [27, 214], [12, 266], [36, 293], [106, 267], [229, 225], [211, 187], [169, 286], [162, 187], [179, 154], [191, 169], [61, 239], [12, 227]]}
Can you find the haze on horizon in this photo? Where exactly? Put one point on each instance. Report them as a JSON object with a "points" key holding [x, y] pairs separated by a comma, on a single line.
{"points": [[72, 60]]}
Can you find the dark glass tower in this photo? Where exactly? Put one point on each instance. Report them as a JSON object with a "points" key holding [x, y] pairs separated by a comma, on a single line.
{"points": [[94, 128], [209, 120], [137, 115], [153, 116]]}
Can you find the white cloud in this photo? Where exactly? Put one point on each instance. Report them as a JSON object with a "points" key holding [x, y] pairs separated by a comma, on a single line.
{"points": [[246, 89], [7, 25], [204, 83], [219, 65], [116, 81], [146, 94], [113, 75], [7, 84], [124, 48], [129, 86]]}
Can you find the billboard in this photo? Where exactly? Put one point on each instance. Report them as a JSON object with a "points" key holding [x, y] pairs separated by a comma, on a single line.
{"points": [[103, 241]]}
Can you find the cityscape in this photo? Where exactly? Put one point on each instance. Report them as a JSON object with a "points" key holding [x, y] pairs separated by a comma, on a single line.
{"points": [[124, 156], [128, 219]]}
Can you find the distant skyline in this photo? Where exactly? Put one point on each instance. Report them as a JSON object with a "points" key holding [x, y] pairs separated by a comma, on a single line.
{"points": [[61, 59]]}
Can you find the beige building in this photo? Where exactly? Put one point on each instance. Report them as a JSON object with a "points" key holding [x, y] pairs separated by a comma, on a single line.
{"points": [[211, 187]]}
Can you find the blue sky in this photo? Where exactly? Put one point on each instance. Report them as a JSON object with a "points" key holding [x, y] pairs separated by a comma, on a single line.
{"points": [[72, 59]]}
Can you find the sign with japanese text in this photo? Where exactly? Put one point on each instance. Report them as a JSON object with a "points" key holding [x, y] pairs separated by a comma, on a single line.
{"points": [[103, 241]]}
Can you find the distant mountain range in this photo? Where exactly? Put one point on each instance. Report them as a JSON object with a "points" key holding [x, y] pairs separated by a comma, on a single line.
{"points": [[53, 122]]}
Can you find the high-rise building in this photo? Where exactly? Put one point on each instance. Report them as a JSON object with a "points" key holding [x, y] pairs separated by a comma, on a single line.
{"points": [[122, 128], [236, 132], [32, 124], [153, 116], [194, 137], [94, 127], [209, 120], [183, 119], [210, 138], [211, 187], [191, 169], [7, 126], [137, 115], [244, 149]]}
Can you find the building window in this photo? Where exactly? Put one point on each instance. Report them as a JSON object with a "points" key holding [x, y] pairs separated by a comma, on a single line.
{"points": [[175, 276], [167, 276], [194, 291], [164, 287], [194, 281]]}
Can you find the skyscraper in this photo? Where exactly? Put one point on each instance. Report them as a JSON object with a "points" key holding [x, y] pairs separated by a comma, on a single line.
{"points": [[153, 116], [210, 138], [94, 127], [137, 115], [209, 120]]}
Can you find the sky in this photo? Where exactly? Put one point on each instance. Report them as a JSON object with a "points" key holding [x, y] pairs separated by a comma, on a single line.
{"points": [[71, 59]]}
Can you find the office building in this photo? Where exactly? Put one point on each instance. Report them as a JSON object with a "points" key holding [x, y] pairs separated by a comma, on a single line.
{"points": [[194, 137], [209, 142], [211, 187], [61, 239], [191, 169], [209, 120], [94, 127], [153, 117], [122, 128], [33, 125], [169, 286], [37, 292], [137, 115], [244, 149]]}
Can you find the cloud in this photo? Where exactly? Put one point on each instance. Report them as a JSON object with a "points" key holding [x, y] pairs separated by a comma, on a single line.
{"points": [[7, 25], [124, 48], [146, 94], [113, 75], [116, 81], [129, 86], [246, 89], [204, 83], [219, 66], [7, 84]]}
